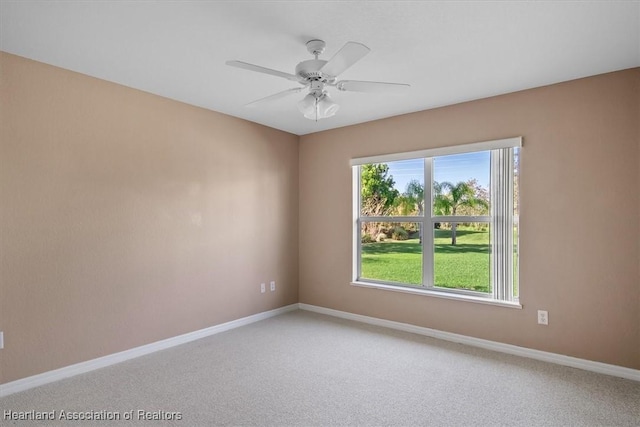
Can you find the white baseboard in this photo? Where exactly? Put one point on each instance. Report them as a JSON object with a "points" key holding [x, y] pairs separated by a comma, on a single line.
{"points": [[574, 362], [101, 362]]}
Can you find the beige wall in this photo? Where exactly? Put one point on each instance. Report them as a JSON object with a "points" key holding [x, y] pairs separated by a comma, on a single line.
{"points": [[580, 236], [127, 218]]}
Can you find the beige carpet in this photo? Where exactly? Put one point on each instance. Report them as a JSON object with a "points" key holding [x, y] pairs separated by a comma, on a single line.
{"points": [[307, 369]]}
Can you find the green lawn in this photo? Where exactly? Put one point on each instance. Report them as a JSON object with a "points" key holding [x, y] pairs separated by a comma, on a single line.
{"points": [[464, 266]]}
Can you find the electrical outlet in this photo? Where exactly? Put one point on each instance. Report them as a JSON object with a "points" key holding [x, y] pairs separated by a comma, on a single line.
{"points": [[273, 286], [263, 288], [1, 339], [543, 317]]}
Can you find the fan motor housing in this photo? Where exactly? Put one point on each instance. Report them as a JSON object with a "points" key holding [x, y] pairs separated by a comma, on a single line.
{"points": [[310, 71]]}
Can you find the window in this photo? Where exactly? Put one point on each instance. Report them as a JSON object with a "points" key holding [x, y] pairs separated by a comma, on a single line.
{"points": [[441, 221]]}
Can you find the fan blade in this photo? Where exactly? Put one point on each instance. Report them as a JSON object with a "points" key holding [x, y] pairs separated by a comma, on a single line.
{"points": [[350, 53], [259, 69], [275, 96], [381, 87]]}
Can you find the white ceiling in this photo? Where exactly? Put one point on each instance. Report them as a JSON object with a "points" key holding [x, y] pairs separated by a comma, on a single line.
{"points": [[449, 52]]}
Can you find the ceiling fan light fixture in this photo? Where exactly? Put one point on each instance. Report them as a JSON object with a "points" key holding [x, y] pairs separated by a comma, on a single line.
{"points": [[326, 106], [307, 106], [317, 106]]}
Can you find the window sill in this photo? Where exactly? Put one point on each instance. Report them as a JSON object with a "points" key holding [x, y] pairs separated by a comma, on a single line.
{"points": [[439, 294]]}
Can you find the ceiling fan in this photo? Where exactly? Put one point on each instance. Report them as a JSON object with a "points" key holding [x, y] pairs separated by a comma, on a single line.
{"points": [[317, 75]]}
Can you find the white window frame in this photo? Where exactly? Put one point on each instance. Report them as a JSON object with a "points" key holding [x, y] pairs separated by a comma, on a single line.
{"points": [[501, 220]]}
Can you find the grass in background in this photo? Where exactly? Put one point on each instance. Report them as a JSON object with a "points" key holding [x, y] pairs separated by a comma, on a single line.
{"points": [[463, 266], [393, 261]]}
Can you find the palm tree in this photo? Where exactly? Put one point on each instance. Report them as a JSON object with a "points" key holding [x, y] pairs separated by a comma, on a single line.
{"points": [[448, 198], [412, 200]]}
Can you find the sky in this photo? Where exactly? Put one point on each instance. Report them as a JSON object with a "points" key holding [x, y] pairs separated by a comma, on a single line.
{"points": [[454, 168]]}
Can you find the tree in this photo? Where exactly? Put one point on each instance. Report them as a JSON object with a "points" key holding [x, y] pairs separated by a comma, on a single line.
{"points": [[479, 192], [448, 198], [377, 192], [415, 194], [376, 189]]}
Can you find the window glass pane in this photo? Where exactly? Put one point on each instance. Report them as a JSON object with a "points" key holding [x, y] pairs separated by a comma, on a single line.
{"points": [[462, 256], [391, 252], [461, 184], [393, 188]]}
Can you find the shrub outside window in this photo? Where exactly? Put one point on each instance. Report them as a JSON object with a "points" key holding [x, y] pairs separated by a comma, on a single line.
{"points": [[441, 221]]}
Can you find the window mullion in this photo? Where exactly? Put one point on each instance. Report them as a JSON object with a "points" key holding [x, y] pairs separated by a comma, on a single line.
{"points": [[391, 219], [426, 226]]}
